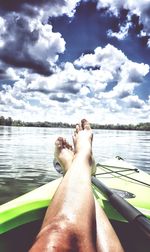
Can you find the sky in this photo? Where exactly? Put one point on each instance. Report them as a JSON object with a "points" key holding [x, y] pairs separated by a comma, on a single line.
{"points": [[64, 60]]}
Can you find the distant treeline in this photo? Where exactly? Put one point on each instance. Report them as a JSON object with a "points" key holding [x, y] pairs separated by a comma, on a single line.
{"points": [[10, 122]]}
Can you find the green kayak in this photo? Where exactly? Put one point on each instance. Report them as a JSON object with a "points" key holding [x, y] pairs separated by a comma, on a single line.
{"points": [[20, 219]]}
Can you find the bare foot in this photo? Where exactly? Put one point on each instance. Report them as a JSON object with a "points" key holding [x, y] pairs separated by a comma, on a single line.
{"points": [[63, 153], [83, 136], [82, 140]]}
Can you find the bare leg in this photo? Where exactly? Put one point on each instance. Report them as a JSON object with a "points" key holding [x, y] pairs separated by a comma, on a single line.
{"points": [[64, 228], [107, 240], [71, 221]]}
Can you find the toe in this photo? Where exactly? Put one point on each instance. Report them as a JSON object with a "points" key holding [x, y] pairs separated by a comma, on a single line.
{"points": [[69, 146], [85, 124], [59, 143], [77, 128], [64, 142]]}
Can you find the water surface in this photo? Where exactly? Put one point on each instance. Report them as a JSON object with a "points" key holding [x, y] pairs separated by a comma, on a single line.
{"points": [[26, 154]]}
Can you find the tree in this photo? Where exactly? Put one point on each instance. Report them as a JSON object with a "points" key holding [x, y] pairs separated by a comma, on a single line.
{"points": [[8, 121], [2, 120]]}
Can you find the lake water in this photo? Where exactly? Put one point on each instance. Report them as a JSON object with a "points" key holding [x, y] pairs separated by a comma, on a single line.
{"points": [[26, 154]]}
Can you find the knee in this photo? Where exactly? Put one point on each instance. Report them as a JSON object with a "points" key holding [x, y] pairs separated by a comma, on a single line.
{"points": [[59, 224], [62, 234]]}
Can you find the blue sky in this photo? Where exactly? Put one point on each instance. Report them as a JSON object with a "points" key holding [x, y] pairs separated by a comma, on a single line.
{"points": [[65, 60]]}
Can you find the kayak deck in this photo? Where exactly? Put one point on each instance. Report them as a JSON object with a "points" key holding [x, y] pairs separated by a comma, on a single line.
{"points": [[129, 182], [28, 207], [25, 213]]}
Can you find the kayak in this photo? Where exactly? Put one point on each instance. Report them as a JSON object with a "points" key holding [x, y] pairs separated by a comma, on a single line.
{"points": [[21, 218], [129, 182]]}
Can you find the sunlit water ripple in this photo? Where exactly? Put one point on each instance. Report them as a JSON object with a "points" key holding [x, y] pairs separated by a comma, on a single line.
{"points": [[26, 154]]}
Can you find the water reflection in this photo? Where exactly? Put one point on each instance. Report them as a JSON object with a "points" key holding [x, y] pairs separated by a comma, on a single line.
{"points": [[26, 155]]}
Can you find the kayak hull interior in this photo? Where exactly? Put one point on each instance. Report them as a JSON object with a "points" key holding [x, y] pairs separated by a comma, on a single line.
{"points": [[21, 218], [22, 237]]}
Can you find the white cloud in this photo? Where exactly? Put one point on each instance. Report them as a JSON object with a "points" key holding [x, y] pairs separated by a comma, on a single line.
{"points": [[123, 32], [133, 72], [10, 101], [11, 73], [49, 43], [28, 43], [2, 30], [115, 66], [114, 6], [41, 9], [54, 8], [134, 102], [109, 59], [140, 8], [99, 86], [75, 91]]}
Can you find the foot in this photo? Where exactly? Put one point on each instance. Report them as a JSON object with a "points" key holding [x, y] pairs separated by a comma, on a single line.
{"points": [[82, 140], [63, 153], [83, 136]]}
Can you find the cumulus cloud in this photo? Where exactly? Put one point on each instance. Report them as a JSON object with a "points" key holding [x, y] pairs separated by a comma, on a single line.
{"points": [[134, 102], [26, 39], [97, 85], [108, 57], [29, 44], [80, 89], [43, 9], [115, 66], [126, 75], [69, 80], [139, 8], [123, 31], [8, 73], [8, 99]]}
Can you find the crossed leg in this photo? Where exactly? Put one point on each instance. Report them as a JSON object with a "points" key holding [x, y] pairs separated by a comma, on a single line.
{"points": [[74, 222]]}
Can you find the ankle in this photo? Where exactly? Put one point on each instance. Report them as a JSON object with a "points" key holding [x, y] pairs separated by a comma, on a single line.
{"points": [[84, 156]]}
